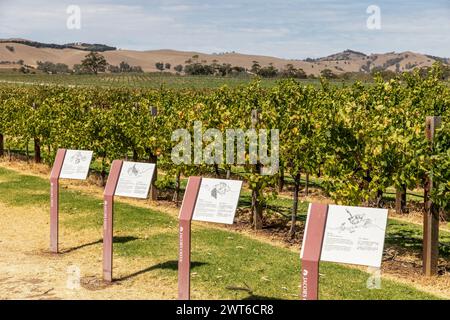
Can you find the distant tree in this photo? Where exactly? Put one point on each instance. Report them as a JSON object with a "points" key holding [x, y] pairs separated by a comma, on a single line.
{"points": [[197, 69], [328, 74], [366, 67], [62, 68], [268, 72], [78, 69], [255, 67], [385, 74], [216, 66], [178, 68], [44, 66], [94, 63], [24, 69], [376, 70], [50, 67], [236, 70], [137, 69], [168, 66], [124, 67], [113, 69], [222, 70], [291, 72], [159, 66], [346, 75], [301, 74]]}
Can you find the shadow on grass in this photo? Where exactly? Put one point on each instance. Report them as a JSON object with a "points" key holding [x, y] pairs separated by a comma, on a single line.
{"points": [[168, 265], [81, 246], [93, 243], [411, 238], [124, 239]]}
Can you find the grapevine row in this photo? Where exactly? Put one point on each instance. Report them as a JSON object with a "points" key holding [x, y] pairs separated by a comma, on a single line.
{"points": [[359, 139]]}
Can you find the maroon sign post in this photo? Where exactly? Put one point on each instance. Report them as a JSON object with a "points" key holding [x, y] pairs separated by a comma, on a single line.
{"points": [[108, 198], [184, 259], [54, 199], [312, 248]]}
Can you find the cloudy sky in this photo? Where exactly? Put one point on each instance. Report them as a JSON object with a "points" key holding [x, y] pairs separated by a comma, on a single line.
{"points": [[288, 29]]}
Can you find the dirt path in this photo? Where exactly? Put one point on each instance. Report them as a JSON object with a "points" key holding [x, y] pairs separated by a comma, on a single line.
{"points": [[29, 271]]}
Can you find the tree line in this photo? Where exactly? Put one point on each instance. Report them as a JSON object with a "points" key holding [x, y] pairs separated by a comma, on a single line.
{"points": [[93, 63]]}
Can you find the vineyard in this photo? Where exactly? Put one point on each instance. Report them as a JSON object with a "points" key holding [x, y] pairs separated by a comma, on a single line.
{"points": [[358, 140], [133, 80]]}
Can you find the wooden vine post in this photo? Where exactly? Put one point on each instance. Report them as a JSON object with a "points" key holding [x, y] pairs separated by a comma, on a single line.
{"points": [[256, 205], [153, 158], [400, 199], [37, 143], [431, 214]]}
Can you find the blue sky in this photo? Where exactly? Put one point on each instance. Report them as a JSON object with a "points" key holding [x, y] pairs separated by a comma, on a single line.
{"points": [[288, 29]]}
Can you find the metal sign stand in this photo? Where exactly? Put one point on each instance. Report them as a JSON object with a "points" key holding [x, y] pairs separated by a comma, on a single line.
{"points": [[54, 199], [431, 214], [315, 230], [108, 214], [184, 259]]}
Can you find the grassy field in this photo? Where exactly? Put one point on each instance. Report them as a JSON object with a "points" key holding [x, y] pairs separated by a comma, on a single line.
{"points": [[221, 258]]}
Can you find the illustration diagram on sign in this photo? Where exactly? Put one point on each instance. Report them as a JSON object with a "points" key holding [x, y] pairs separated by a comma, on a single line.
{"points": [[77, 158], [355, 222], [354, 235], [220, 189], [135, 179], [76, 164], [136, 172], [217, 200]]}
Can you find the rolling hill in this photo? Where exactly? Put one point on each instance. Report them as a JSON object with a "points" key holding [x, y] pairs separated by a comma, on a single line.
{"points": [[29, 52]]}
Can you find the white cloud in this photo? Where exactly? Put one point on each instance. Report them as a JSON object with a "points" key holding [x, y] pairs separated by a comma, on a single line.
{"points": [[291, 29], [176, 8]]}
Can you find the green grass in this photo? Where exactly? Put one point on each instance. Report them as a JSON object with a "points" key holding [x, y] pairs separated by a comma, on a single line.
{"points": [[407, 235], [220, 258]]}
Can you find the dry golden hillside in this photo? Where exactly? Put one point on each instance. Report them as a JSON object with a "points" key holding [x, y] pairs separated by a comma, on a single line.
{"points": [[347, 61]]}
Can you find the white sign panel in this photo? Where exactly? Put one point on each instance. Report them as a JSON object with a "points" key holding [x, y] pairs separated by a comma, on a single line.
{"points": [[135, 179], [217, 200], [76, 164], [354, 235]]}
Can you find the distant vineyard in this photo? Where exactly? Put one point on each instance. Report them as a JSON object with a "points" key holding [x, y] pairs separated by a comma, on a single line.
{"points": [[145, 81], [359, 139]]}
